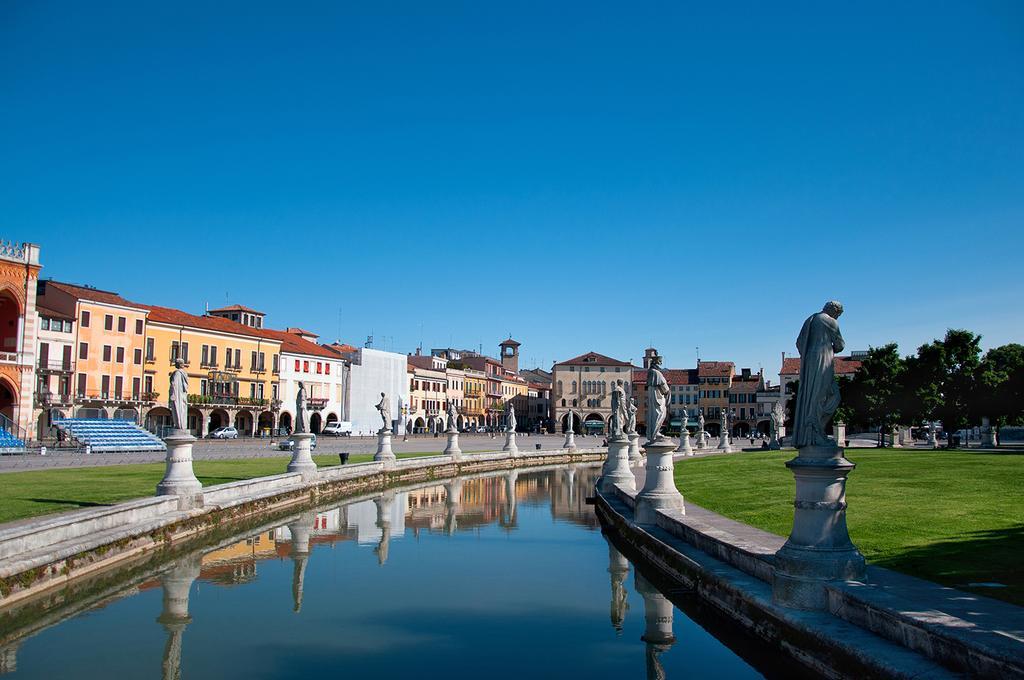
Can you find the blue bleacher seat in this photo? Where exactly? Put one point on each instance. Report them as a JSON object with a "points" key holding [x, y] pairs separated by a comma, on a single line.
{"points": [[105, 436]]}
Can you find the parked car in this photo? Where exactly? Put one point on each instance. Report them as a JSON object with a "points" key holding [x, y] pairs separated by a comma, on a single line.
{"points": [[289, 444], [338, 429], [224, 433]]}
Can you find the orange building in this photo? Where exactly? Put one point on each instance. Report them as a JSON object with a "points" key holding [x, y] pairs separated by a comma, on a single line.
{"points": [[109, 338]]}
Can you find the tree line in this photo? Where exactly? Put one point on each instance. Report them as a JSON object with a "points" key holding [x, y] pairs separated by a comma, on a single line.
{"points": [[948, 380]]}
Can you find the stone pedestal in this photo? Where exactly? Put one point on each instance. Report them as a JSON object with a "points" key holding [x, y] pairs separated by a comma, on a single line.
{"points": [[616, 470], [988, 435], [684, 444], [635, 455], [510, 444], [659, 492], [701, 441], [618, 568], [894, 437], [179, 479], [570, 441], [773, 442], [384, 452], [933, 441], [723, 441], [819, 548], [302, 456], [453, 449], [840, 430]]}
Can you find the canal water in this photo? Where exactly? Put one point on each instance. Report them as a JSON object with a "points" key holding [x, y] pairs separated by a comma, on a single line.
{"points": [[502, 576]]}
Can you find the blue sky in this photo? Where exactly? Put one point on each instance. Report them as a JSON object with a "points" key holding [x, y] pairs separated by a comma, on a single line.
{"points": [[581, 175]]}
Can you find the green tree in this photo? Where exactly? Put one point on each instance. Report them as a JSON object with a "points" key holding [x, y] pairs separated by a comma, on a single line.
{"points": [[949, 376], [876, 389], [1000, 385]]}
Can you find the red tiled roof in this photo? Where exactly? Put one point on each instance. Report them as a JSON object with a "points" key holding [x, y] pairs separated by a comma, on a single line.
{"points": [[716, 369], [299, 331], [236, 308], [422, 361], [593, 359], [293, 344], [512, 343], [841, 365], [93, 294], [177, 317], [341, 348]]}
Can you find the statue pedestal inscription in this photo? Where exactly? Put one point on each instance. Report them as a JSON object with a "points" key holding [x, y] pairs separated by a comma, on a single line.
{"points": [[510, 444], [659, 492], [179, 479], [302, 456], [384, 452], [453, 449], [819, 549], [616, 468], [634, 448]]}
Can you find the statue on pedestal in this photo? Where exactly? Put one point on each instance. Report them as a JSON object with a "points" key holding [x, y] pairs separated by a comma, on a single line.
{"points": [[631, 410], [618, 415], [510, 417], [384, 408], [700, 427], [818, 397], [178, 397], [453, 417], [301, 410], [657, 400], [778, 418]]}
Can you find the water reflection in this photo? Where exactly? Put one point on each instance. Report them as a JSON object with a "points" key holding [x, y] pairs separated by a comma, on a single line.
{"points": [[539, 584]]}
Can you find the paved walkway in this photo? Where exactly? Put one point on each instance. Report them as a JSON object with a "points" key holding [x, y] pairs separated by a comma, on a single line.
{"points": [[265, 448]]}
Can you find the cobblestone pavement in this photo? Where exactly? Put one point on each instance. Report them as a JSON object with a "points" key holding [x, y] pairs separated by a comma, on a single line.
{"points": [[265, 448]]}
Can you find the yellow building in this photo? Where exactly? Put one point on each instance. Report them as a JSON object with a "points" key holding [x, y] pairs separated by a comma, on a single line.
{"points": [[473, 397], [233, 371]]}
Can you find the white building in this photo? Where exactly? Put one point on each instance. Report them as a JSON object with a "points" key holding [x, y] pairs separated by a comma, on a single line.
{"points": [[323, 372], [372, 372]]}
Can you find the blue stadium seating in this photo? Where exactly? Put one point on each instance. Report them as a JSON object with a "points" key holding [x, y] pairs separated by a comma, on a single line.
{"points": [[9, 442], [105, 436]]}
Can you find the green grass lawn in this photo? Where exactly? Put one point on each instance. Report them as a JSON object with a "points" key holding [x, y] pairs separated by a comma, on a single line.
{"points": [[950, 517], [39, 492]]}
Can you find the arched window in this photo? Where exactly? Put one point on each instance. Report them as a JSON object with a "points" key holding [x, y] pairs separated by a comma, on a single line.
{"points": [[573, 387]]}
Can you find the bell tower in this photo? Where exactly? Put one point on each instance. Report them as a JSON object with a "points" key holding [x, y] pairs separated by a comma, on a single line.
{"points": [[510, 355]]}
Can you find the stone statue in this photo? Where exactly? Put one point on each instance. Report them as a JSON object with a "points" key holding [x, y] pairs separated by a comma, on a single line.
{"points": [[818, 395], [778, 417], [683, 424], [453, 415], [616, 421], [725, 419], [384, 408], [657, 400], [510, 417], [700, 426], [570, 421], [178, 397], [301, 409], [631, 410]]}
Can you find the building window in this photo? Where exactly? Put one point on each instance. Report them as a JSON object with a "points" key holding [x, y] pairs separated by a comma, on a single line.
{"points": [[121, 324], [204, 355], [44, 324], [319, 367], [238, 358], [105, 387], [108, 322], [327, 369], [138, 327], [213, 355], [150, 350], [85, 319], [305, 367], [120, 355], [149, 384], [106, 352], [298, 365]]}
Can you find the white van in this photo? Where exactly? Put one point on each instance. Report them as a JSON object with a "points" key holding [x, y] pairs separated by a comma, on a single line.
{"points": [[338, 429]]}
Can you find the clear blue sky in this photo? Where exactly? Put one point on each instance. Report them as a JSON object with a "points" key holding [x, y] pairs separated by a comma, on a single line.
{"points": [[582, 175]]}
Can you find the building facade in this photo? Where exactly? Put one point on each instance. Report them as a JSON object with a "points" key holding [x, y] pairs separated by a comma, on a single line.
{"points": [[19, 275], [373, 371], [324, 374], [583, 386]]}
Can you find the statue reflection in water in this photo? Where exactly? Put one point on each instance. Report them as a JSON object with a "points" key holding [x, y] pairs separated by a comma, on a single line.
{"points": [[301, 530], [384, 504], [618, 567], [657, 625], [177, 584], [452, 501]]}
